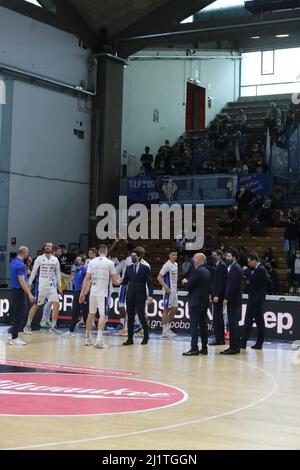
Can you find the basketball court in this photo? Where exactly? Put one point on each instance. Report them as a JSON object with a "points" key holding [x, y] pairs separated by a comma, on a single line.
{"points": [[147, 397]]}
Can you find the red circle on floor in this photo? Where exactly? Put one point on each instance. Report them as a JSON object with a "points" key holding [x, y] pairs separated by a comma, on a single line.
{"points": [[51, 394]]}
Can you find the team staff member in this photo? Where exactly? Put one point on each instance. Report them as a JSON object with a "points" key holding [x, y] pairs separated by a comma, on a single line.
{"points": [[218, 287], [77, 307], [258, 280], [233, 300], [18, 277], [137, 277], [198, 286]]}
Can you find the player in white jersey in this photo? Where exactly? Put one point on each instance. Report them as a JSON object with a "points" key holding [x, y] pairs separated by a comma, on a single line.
{"points": [[168, 279], [100, 273], [47, 270]]}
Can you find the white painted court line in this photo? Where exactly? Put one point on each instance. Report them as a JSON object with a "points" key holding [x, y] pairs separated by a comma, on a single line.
{"points": [[172, 426]]}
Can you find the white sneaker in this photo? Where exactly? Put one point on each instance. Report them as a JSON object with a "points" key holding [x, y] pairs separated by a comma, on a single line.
{"points": [[101, 345], [68, 334], [88, 342], [171, 334], [9, 337], [27, 330], [45, 324], [54, 329], [81, 324], [164, 335], [17, 342]]}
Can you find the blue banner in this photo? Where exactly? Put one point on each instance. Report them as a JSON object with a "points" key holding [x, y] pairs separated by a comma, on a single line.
{"points": [[142, 189], [258, 183]]}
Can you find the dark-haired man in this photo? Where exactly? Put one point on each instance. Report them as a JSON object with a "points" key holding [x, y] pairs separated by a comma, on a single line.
{"points": [[233, 300], [258, 281], [218, 287], [137, 277]]}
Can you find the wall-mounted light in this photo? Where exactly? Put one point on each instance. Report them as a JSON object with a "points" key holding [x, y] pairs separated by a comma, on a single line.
{"points": [[282, 36], [255, 37]]}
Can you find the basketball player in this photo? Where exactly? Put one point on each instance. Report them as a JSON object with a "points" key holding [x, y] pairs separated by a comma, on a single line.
{"points": [[99, 274], [47, 268], [168, 279]]}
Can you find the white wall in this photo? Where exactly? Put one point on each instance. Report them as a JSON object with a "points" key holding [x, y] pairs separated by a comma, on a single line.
{"points": [[39, 48], [49, 165], [162, 85], [49, 183]]}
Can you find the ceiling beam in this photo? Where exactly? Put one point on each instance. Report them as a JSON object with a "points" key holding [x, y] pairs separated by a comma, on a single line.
{"points": [[65, 18], [224, 29], [165, 17]]}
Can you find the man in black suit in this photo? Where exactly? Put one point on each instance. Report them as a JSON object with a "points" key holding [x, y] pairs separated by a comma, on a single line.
{"points": [[138, 277], [258, 281], [198, 286], [218, 287], [233, 300]]}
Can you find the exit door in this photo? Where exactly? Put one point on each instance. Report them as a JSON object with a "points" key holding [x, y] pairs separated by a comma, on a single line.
{"points": [[195, 107]]}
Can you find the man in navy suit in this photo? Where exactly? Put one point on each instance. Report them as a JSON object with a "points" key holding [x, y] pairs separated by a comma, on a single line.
{"points": [[198, 286], [218, 287], [138, 277], [233, 300], [258, 281]]}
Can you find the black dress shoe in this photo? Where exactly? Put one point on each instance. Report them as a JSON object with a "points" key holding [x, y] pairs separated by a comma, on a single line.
{"points": [[203, 352], [230, 352], [191, 353], [129, 342], [256, 346], [145, 341], [217, 343], [243, 345]]}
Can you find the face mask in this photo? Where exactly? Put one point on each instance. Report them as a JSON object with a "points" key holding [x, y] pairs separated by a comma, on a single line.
{"points": [[134, 259], [215, 259], [77, 263], [228, 262]]}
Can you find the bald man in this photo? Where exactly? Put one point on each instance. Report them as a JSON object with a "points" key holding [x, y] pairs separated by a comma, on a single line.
{"points": [[198, 286]]}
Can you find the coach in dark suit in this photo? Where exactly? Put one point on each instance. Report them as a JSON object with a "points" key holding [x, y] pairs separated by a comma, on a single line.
{"points": [[258, 281], [233, 300], [138, 277], [198, 286], [218, 287]]}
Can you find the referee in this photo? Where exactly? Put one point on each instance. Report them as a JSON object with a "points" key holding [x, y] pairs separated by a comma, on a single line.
{"points": [[17, 274]]}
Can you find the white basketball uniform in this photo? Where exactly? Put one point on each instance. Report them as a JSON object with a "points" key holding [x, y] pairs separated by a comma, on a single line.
{"points": [[170, 273], [101, 269], [48, 280]]}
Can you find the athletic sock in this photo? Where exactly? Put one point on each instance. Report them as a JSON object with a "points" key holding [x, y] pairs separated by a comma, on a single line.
{"points": [[165, 329], [99, 336], [53, 323], [87, 334], [29, 323]]}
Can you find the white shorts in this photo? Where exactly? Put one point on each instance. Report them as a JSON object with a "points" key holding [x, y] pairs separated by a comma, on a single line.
{"points": [[171, 300], [50, 294], [99, 303]]}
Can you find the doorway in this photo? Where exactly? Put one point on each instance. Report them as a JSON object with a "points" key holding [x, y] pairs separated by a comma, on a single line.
{"points": [[195, 107]]}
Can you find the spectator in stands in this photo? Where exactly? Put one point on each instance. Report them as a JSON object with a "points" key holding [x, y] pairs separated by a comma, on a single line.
{"points": [[268, 257], [278, 196], [294, 274], [245, 200], [210, 243], [255, 154], [186, 265], [161, 168], [146, 161], [241, 121], [272, 115], [272, 285], [165, 152], [221, 144], [262, 167], [290, 221], [263, 221], [233, 225], [290, 122]]}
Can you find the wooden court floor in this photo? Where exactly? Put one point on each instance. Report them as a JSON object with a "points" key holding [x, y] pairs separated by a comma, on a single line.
{"points": [[250, 401]]}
